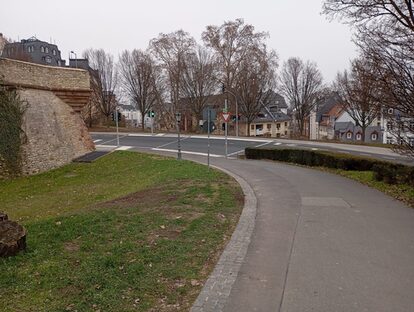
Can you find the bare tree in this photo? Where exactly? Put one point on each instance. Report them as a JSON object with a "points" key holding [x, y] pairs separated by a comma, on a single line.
{"points": [[104, 81], [139, 76], [359, 94], [199, 80], [231, 42], [172, 50], [256, 77], [301, 83], [385, 35]]}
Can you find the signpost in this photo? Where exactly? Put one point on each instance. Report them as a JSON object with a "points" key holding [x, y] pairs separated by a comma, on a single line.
{"points": [[178, 118], [117, 130], [226, 117]]}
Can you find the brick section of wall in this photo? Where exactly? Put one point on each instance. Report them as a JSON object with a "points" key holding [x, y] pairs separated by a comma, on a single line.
{"points": [[55, 133], [37, 76]]}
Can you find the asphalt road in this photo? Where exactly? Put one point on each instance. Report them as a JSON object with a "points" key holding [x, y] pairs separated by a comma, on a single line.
{"points": [[198, 145]]}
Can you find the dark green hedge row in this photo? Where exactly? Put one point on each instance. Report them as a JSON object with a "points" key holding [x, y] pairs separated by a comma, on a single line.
{"points": [[383, 171]]}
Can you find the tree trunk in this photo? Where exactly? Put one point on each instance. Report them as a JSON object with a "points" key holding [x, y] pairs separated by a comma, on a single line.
{"points": [[12, 237]]}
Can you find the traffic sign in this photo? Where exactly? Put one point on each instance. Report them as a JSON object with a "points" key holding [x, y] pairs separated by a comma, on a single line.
{"points": [[226, 116]]}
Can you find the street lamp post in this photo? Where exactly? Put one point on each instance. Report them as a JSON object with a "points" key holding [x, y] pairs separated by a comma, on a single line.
{"points": [[76, 59], [178, 118]]}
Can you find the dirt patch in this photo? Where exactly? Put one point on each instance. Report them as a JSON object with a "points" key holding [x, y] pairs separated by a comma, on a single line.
{"points": [[71, 246]]}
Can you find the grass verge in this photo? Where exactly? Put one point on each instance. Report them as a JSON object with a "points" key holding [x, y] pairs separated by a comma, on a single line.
{"points": [[129, 232]]}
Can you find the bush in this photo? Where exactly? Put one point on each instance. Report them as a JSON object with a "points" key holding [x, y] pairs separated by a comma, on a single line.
{"points": [[383, 171], [12, 109]]}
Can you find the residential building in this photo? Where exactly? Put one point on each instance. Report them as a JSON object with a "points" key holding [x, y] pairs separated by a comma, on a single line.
{"points": [[397, 127], [324, 117], [273, 120], [35, 51]]}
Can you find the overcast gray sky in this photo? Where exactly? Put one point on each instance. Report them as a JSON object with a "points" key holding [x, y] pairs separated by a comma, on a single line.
{"points": [[296, 27]]}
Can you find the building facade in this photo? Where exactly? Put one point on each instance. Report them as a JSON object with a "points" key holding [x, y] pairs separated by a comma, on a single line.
{"points": [[35, 51]]}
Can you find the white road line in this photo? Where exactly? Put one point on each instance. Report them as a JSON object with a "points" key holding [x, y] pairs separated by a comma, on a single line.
{"points": [[278, 143], [229, 138], [186, 152], [236, 153], [96, 141], [260, 145], [291, 144], [315, 149], [390, 158], [160, 134], [140, 134], [124, 148]]}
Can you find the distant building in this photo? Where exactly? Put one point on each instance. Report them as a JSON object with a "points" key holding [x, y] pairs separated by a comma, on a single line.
{"points": [[35, 51], [323, 118], [273, 120]]}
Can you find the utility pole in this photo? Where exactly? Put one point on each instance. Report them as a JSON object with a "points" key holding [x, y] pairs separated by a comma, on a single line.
{"points": [[117, 130], [208, 137], [178, 118], [225, 126]]}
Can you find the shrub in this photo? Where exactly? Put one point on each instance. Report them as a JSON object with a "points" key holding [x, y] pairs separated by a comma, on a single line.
{"points": [[12, 109], [383, 171]]}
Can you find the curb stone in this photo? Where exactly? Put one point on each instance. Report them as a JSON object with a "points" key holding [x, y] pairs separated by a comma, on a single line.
{"points": [[217, 288]]}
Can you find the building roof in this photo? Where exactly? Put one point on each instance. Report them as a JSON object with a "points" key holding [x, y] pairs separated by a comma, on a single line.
{"points": [[327, 104], [274, 101]]}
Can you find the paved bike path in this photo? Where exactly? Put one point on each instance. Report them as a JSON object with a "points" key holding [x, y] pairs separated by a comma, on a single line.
{"points": [[322, 242]]}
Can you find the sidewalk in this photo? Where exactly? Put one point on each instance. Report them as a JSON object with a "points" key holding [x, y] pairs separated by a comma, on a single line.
{"points": [[321, 243]]}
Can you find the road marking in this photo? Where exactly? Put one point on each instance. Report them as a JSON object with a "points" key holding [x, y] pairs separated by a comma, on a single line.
{"points": [[291, 144], [260, 145], [96, 141], [175, 141], [229, 138], [364, 154], [160, 134], [315, 149], [236, 153], [186, 152], [278, 143], [390, 158], [120, 137], [123, 148]]}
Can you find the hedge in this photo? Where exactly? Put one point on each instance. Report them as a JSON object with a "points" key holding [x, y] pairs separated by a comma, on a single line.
{"points": [[383, 171]]}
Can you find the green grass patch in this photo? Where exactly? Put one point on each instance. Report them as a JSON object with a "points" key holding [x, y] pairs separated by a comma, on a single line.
{"points": [[129, 232]]}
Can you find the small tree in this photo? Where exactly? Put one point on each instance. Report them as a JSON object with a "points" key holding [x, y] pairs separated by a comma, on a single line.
{"points": [[104, 80], [257, 76], [139, 76], [199, 80], [301, 83], [359, 94]]}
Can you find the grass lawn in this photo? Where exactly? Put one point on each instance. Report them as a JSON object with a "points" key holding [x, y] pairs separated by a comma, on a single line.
{"points": [[129, 232]]}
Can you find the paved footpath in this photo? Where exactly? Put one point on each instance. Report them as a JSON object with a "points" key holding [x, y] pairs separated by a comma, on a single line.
{"points": [[320, 242]]}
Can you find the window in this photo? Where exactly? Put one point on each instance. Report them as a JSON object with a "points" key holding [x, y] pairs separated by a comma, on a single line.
{"points": [[390, 111], [42, 49], [252, 127], [46, 50], [349, 135], [30, 48], [286, 124], [48, 59], [411, 126], [389, 140], [358, 136], [390, 125], [54, 52], [285, 132], [374, 136], [269, 126], [278, 126]]}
